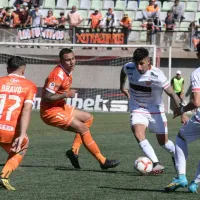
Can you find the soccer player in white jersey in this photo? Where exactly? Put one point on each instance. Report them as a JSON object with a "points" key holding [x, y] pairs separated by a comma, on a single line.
{"points": [[188, 133], [146, 84]]}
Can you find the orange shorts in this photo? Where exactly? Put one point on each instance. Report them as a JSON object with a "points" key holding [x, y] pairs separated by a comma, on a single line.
{"points": [[60, 117]]}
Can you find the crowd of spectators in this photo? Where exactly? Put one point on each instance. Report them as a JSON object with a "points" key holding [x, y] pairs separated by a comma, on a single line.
{"points": [[27, 13]]}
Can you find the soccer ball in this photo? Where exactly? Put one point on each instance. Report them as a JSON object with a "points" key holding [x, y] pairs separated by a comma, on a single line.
{"points": [[144, 165]]}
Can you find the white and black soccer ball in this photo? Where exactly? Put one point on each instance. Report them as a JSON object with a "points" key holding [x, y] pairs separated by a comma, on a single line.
{"points": [[144, 165]]}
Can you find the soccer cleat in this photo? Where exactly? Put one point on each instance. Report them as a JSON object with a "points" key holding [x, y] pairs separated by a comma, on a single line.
{"points": [[179, 182], [193, 187], [109, 164], [157, 169], [73, 159], [4, 183]]}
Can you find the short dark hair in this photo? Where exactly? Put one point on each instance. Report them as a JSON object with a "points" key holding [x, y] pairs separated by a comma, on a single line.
{"points": [[139, 54], [64, 51], [15, 62], [198, 47]]}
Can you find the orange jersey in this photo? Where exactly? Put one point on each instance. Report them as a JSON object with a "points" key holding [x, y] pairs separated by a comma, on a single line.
{"points": [[58, 81], [152, 8], [15, 90], [126, 21], [95, 20]]}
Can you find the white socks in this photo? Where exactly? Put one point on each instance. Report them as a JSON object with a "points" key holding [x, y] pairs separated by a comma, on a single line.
{"points": [[181, 155], [148, 150], [169, 146]]}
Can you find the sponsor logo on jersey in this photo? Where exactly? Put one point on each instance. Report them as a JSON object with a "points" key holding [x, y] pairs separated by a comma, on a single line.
{"points": [[155, 75], [14, 80], [6, 127], [52, 85]]}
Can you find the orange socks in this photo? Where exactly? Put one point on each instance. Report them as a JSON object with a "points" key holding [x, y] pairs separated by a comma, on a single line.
{"points": [[77, 143], [77, 140], [92, 147], [12, 163]]}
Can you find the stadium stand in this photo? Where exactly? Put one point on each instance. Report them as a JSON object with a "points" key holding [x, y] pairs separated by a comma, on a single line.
{"points": [[86, 7]]}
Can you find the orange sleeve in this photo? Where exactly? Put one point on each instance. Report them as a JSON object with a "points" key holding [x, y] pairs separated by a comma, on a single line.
{"points": [[30, 96], [54, 82]]}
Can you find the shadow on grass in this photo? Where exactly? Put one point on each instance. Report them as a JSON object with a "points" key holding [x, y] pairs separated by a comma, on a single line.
{"points": [[141, 190], [94, 170]]}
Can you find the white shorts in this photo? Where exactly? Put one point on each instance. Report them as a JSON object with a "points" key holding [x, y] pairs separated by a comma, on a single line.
{"points": [[191, 130], [156, 122]]}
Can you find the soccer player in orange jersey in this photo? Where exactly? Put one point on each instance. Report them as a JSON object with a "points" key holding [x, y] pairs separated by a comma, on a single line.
{"points": [[16, 101], [55, 112]]}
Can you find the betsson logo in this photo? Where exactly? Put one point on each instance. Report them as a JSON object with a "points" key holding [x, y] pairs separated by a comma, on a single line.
{"points": [[97, 104]]}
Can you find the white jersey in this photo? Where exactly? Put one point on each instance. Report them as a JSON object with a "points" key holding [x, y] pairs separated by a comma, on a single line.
{"points": [[146, 89], [195, 83]]}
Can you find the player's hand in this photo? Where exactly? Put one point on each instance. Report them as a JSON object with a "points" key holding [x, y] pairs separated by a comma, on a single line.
{"points": [[16, 146], [70, 93], [177, 112], [126, 93], [184, 118]]}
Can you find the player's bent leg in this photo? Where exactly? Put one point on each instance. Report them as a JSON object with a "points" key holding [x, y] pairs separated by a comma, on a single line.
{"points": [[87, 119], [139, 132], [168, 145], [90, 144], [13, 161]]}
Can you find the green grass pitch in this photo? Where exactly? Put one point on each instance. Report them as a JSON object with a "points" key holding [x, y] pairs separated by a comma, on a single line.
{"points": [[46, 174]]}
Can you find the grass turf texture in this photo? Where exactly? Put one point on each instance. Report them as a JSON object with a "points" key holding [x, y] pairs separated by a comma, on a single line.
{"points": [[46, 173]]}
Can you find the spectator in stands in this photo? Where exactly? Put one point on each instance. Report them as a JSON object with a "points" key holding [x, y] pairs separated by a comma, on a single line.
{"points": [[62, 21], [109, 19], [177, 10], [193, 35], [24, 16], [2, 13], [150, 30], [126, 24], [36, 21], [15, 16], [95, 19], [7, 20], [50, 20], [169, 25], [36, 16], [74, 18], [151, 11]]}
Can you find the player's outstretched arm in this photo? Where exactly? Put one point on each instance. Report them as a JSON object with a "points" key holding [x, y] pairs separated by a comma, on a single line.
{"points": [[48, 96], [194, 102], [176, 100], [24, 123], [123, 78]]}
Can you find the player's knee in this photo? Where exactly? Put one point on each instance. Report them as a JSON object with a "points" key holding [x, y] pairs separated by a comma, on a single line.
{"points": [[139, 136], [88, 123], [82, 128]]}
